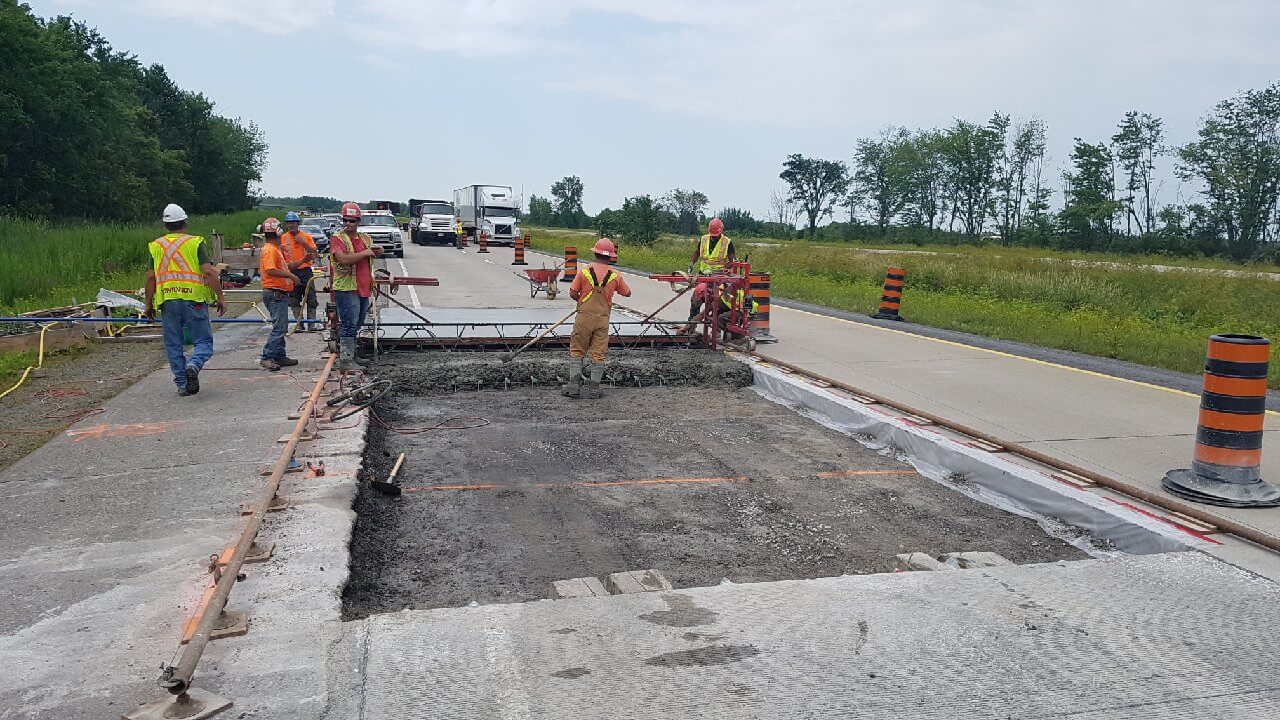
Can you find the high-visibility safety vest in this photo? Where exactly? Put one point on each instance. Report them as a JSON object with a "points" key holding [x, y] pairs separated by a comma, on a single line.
{"points": [[712, 258], [591, 278], [175, 258]]}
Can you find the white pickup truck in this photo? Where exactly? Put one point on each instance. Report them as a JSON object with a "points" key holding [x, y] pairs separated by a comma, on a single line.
{"points": [[381, 227]]}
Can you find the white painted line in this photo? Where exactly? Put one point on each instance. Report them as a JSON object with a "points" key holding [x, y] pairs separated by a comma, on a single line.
{"points": [[413, 292]]}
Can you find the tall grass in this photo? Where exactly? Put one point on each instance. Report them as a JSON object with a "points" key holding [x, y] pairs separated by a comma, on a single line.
{"points": [[46, 265], [1132, 313]]}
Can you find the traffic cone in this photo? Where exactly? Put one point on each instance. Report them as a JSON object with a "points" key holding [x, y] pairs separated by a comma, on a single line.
{"points": [[484, 242], [519, 248], [570, 264], [891, 296], [759, 292], [1226, 468]]}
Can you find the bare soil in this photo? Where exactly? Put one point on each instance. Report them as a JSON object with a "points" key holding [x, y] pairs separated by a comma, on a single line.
{"points": [[72, 385], [702, 482]]}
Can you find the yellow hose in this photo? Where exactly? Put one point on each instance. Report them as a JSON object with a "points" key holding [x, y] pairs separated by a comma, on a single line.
{"points": [[39, 363]]}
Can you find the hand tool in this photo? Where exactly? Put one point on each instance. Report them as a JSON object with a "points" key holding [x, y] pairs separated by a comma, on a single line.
{"points": [[389, 486]]}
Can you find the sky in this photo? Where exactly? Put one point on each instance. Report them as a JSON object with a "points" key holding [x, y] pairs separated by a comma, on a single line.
{"points": [[372, 99]]}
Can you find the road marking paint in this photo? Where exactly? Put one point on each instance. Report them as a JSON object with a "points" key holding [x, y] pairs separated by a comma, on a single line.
{"points": [[1046, 363], [130, 430], [413, 292]]}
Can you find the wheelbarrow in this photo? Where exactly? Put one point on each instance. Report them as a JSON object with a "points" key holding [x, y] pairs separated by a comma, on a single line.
{"points": [[543, 280]]}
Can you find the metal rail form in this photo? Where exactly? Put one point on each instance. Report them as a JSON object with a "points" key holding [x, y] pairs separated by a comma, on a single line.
{"points": [[1196, 513], [177, 678]]}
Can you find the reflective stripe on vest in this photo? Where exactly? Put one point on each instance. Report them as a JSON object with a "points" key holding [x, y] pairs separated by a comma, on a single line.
{"points": [[708, 259], [176, 261], [591, 278]]}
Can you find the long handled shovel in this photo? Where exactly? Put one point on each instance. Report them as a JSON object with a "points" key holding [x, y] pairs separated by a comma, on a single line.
{"points": [[508, 357], [390, 486]]}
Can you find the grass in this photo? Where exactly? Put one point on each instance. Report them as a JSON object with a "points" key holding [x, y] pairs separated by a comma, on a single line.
{"points": [[1154, 318], [45, 265]]}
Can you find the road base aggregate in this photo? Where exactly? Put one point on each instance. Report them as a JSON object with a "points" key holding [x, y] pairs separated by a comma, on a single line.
{"points": [[703, 482]]}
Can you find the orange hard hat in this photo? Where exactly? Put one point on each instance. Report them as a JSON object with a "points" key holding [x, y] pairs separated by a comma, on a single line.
{"points": [[716, 226], [351, 210], [605, 246], [271, 225]]}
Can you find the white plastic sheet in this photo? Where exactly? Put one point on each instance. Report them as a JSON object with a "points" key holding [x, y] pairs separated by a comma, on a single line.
{"points": [[982, 475]]}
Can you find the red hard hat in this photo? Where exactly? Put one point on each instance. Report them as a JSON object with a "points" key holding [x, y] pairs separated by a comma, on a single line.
{"points": [[351, 210], [716, 226], [271, 225], [605, 246]]}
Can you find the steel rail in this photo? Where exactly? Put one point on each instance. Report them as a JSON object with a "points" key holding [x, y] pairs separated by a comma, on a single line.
{"points": [[1228, 525], [177, 679]]}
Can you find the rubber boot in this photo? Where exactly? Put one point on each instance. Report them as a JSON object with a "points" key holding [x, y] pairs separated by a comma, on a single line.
{"points": [[574, 388], [361, 361], [311, 315], [297, 315], [592, 390], [346, 353]]}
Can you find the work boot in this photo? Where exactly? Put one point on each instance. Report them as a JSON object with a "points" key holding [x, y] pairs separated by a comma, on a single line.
{"points": [[268, 364], [593, 385], [574, 388], [193, 380], [285, 362], [297, 315], [346, 353], [362, 361], [311, 315]]}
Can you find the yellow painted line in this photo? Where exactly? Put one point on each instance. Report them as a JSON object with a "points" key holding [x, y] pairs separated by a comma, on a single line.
{"points": [[1045, 363]]}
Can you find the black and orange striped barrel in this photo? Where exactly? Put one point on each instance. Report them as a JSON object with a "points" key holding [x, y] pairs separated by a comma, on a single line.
{"points": [[519, 248], [1226, 468], [891, 294], [484, 242], [759, 291], [570, 264]]}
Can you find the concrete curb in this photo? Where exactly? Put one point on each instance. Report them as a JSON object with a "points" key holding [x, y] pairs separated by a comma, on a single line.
{"points": [[983, 476]]}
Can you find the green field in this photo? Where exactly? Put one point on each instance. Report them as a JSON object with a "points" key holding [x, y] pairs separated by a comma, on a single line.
{"points": [[1132, 313], [44, 265]]}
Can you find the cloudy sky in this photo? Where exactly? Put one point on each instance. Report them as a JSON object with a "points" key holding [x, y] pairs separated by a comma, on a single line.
{"points": [[396, 98]]}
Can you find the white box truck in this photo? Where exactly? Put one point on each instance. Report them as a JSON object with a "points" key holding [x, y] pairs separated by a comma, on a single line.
{"points": [[489, 208], [431, 221]]}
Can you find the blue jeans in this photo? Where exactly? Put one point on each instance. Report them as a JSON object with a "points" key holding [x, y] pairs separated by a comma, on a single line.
{"points": [[177, 317], [277, 304], [351, 311]]}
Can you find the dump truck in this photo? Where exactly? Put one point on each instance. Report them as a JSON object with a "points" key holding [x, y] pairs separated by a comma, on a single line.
{"points": [[431, 221]]}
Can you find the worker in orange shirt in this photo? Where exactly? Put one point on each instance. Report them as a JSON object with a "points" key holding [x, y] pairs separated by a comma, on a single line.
{"points": [[300, 248], [593, 289], [277, 284]]}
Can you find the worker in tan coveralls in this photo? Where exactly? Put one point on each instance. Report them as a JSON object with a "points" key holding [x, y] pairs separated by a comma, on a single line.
{"points": [[593, 289]]}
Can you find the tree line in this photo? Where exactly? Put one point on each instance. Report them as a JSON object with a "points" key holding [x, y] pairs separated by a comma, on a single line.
{"points": [[992, 183], [89, 132]]}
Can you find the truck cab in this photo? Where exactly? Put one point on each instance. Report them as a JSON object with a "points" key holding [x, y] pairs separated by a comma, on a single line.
{"points": [[492, 209], [431, 221], [381, 227]]}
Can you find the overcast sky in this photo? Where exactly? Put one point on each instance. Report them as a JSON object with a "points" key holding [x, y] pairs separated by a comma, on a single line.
{"points": [[365, 99]]}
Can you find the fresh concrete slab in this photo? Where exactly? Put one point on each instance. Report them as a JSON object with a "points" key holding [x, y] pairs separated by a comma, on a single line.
{"points": [[577, 588]]}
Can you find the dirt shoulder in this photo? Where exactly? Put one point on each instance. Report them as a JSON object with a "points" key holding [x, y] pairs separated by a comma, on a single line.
{"points": [[72, 385]]}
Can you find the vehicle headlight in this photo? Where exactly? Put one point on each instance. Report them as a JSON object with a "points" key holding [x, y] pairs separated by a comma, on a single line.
{"points": [[396, 235]]}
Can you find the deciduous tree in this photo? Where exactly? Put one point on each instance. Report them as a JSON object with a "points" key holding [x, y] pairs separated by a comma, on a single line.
{"points": [[816, 186], [567, 192]]}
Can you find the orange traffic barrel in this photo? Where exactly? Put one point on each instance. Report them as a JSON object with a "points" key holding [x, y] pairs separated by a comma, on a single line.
{"points": [[1226, 468], [519, 248], [484, 242], [891, 295], [570, 264], [759, 290]]}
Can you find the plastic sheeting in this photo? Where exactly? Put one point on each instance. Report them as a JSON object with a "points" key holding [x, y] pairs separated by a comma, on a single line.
{"points": [[115, 299], [982, 475]]}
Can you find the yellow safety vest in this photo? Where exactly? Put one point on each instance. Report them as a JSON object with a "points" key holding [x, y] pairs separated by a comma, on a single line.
{"points": [[712, 259], [591, 278], [175, 258]]}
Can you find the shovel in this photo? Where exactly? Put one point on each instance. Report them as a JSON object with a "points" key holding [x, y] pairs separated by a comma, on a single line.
{"points": [[389, 486], [508, 357]]}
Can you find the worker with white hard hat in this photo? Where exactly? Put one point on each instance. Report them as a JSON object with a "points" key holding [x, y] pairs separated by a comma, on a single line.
{"points": [[181, 284], [593, 289]]}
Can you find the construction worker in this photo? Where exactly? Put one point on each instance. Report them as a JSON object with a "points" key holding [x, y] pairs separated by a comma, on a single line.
{"points": [[462, 232], [278, 282], [301, 250], [704, 292], [352, 280], [711, 255], [593, 289], [181, 284]]}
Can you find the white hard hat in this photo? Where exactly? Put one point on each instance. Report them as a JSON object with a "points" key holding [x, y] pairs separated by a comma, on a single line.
{"points": [[173, 212]]}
